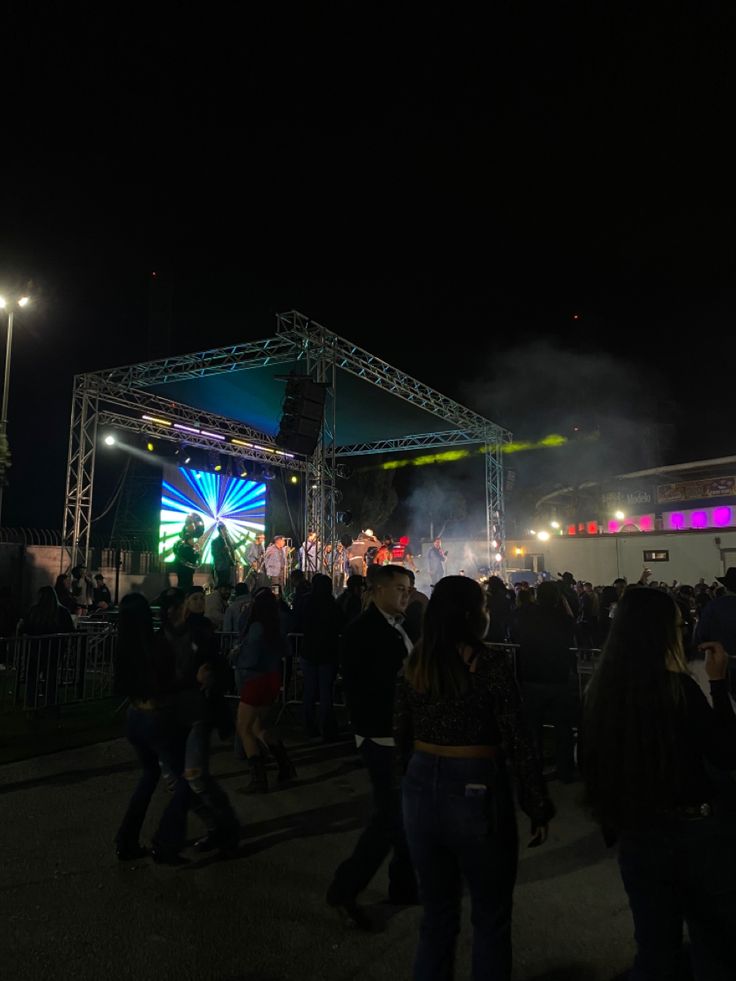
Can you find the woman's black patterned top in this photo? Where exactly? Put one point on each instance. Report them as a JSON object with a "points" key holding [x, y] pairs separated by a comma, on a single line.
{"points": [[488, 714]]}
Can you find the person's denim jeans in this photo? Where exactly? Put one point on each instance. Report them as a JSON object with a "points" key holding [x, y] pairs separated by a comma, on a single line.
{"points": [[383, 834], [159, 748], [460, 825], [211, 803], [684, 871], [319, 681]]}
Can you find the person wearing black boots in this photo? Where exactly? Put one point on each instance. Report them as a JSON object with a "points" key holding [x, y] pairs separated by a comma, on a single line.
{"points": [[263, 648], [145, 674]]}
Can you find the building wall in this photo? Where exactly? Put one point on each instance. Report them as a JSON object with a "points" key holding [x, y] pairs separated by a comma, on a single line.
{"points": [[600, 559], [26, 568]]}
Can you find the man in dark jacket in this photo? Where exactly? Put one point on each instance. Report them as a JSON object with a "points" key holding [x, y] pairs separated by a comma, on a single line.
{"points": [[375, 646]]}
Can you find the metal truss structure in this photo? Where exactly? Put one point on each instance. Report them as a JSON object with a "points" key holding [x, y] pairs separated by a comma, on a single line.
{"points": [[121, 398]]}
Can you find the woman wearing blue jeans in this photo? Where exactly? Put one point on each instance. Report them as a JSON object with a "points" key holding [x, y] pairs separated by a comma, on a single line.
{"points": [[458, 717], [650, 741]]}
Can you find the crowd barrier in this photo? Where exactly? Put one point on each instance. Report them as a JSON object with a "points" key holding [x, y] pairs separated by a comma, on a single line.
{"points": [[64, 669]]}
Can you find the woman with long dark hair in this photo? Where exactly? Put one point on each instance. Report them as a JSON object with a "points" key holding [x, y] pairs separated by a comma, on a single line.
{"points": [[145, 674], [263, 647], [62, 588], [648, 739], [458, 718]]}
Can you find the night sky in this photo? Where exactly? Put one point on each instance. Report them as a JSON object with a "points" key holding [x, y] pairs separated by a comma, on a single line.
{"points": [[523, 212]]}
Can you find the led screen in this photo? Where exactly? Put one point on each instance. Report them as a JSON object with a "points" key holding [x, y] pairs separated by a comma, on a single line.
{"points": [[238, 503]]}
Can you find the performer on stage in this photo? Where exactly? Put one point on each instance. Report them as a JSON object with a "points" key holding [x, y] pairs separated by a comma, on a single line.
{"points": [[254, 558], [223, 557], [357, 551], [187, 557], [437, 558], [309, 555], [274, 562]]}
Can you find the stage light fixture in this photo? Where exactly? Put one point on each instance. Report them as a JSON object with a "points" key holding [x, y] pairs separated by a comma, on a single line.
{"points": [[218, 467], [268, 475], [110, 440], [554, 524], [243, 469], [150, 446], [543, 536], [619, 516], [293, 479]]}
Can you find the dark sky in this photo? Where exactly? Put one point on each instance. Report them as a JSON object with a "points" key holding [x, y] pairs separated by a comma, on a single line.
{"points": [[447, 192]]}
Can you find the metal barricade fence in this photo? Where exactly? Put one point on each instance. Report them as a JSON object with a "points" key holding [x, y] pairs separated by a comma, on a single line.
{"points": [[54, 670]]}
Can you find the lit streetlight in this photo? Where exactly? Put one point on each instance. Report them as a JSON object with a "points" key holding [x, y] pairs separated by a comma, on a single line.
{"points": [[9, 305]]}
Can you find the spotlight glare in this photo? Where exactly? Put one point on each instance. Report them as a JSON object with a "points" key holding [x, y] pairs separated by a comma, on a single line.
{"points": [[294, 479], [554, 524], [543, 536], [2, 302], [23, 301], [150, 447], [109, 440], [498, 556], [619, 516]]}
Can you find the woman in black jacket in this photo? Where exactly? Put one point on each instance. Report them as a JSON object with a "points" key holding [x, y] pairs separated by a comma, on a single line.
{"points": [[648, 740]]}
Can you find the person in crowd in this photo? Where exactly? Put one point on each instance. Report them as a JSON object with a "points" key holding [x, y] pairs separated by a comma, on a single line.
{"points": [[101, 598], [322, 624], [202, 677], [274, 562], [545, 668], [569, 593], [62, 587], [236, 608], [374, 648], [81, 586], [144, 673], [718, 618], [458, 716], [216, 603], [414, 609], [350, 602], [263, 648], [500, 610], [649, 740], [47, 616], [299, 590], [606, 603], [437, 561], [587, 618], [525, 601]]}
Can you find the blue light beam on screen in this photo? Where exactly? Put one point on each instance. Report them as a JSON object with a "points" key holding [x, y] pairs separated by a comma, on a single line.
{"points": [[238, 503]]}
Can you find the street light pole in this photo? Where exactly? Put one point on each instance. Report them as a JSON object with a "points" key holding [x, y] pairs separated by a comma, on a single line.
{"points": [[6, 393], [4, 451]]}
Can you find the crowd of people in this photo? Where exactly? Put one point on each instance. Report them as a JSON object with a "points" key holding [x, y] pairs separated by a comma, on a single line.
{"points": [[446, 721]]}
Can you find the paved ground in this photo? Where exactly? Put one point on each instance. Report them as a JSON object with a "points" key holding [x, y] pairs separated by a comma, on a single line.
{"points": [[68, 909]]}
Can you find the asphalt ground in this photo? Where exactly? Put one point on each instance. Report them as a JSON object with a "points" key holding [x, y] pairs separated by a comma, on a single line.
{"points": [[69, 909]]}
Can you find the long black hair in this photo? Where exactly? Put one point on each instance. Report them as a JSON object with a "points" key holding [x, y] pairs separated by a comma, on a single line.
{"points": [[631, 709], [455, 618], [135, 671], [265, 610]]}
